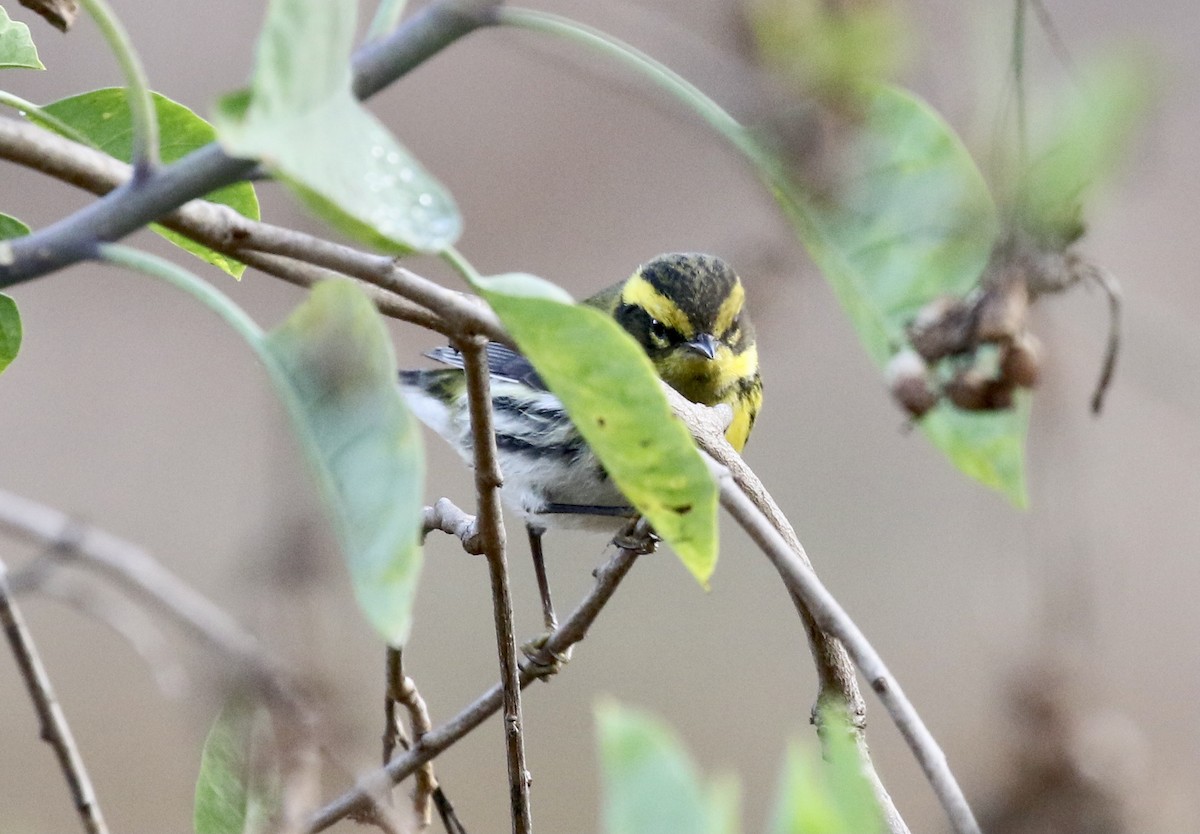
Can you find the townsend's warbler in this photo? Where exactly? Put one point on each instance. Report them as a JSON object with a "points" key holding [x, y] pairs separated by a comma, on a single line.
{"points": [[685, 310]]}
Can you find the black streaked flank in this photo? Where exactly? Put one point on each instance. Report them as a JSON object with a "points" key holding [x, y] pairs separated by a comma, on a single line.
{"points": [[519, 445]]}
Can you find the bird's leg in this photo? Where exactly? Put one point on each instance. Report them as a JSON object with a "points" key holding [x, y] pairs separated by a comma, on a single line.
{"points": [[543, 665], [539, 568]]}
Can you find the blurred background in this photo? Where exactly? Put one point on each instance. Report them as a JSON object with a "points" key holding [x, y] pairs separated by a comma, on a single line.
{"points": [[1060, 640]]}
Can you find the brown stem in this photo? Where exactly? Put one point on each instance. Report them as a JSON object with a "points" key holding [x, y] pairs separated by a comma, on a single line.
{"points": [[490, 525], [572, 630], [832, 619], [55, 730]]}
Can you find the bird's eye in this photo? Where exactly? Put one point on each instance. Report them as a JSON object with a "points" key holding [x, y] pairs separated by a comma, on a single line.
{"points": [[658, 331]]}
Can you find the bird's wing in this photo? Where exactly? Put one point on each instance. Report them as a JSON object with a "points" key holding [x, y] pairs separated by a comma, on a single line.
{"points": [[503, 362]]}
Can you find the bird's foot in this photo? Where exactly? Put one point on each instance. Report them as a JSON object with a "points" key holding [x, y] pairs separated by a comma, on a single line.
{"points": [[544, 663], [637, 536]]}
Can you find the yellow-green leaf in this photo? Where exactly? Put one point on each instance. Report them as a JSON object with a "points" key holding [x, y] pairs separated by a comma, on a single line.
{"points": [[237, 790], [10, 317], [827, 795]]}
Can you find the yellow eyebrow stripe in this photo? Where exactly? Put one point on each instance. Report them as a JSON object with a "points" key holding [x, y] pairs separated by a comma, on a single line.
{"points": [[729, 309], [641, 293]]}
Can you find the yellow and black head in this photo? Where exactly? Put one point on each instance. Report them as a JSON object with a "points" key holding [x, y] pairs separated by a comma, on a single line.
{"points": [[687, 312]]}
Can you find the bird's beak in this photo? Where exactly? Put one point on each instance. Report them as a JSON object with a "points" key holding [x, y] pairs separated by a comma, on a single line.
{"points": [[705, 345]]}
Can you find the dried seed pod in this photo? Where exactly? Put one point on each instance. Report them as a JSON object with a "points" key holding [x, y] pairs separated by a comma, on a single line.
{"points": [[998, 395], [941, 328], [908, 378], [967, 389], [1003, 312], [1021, 362]]}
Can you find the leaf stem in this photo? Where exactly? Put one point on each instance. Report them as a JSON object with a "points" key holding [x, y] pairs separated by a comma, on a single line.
{"points": [[459, 263], [37, 115], [654, 71], [141, 103], [201, 290]]}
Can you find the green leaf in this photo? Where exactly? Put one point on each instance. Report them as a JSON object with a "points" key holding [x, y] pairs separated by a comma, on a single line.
{"points": [[826, 797], [364, 445], [16, 45], [11, 227], [102, 117], [912, 220], [301, 119], [10, 331], [1082, 139], [612, 394], [650, 783], [10, 317], [238, 786]]}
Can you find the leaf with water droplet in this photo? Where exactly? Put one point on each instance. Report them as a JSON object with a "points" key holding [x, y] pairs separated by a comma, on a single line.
{"points": [[301, 119]]}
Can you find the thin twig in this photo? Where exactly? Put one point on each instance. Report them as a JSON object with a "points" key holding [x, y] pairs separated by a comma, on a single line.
{"points": [[833, 619], [402, 691], [143, 116], [490, 522], [573, 629], [107, 606], [138, 572], [838, 686], [55, 730], [448, 518]]}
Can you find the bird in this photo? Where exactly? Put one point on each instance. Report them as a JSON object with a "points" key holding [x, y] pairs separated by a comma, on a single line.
{"points": [[687, 312]]}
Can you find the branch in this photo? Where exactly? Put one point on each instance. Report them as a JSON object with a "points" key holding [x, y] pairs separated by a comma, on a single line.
{"points": [[490, 524], [444, 516], [837, 683], [55, 730], [833, 619], [402, 691], [138, 572], [219, 227], [107, 606], [163, 190], [572, 630]]}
